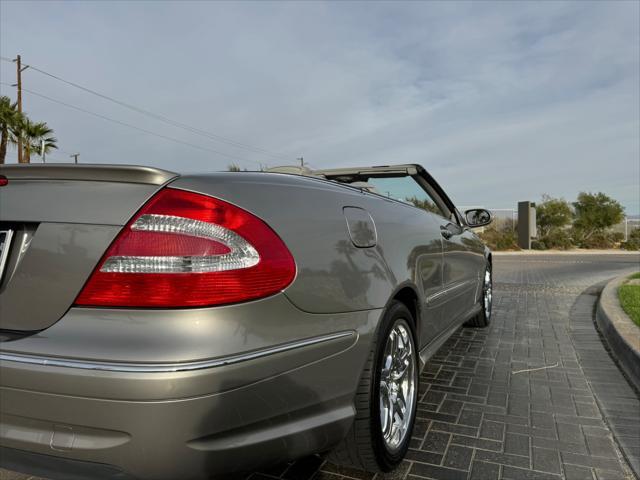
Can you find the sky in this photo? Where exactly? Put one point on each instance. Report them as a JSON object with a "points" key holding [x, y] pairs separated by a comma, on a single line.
{"points": [[501, 102]]}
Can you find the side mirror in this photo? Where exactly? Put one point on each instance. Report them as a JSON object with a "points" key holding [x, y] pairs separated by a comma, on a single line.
{"points": [[478, 217]]}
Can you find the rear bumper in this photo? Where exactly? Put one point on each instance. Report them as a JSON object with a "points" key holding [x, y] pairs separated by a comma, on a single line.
{"points": [[59, 421], [64, 468]]}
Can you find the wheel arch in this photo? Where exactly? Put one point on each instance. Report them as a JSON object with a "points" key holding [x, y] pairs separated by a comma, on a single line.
{"points": [[407, 294]]}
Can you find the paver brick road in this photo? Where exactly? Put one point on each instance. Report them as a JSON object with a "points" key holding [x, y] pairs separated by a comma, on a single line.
{"points": [[534, 396]]}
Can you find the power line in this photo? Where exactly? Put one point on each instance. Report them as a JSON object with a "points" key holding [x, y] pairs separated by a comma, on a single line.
{"points": [[149, 132], [162, 118]]}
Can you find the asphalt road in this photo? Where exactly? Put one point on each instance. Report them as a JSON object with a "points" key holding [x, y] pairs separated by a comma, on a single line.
{"points": [[482, 417]]}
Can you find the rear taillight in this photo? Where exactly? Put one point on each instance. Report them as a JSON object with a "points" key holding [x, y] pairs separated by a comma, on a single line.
{"points": [[184, 249]]}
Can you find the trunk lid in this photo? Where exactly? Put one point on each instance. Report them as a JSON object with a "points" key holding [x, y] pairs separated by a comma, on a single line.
{"points": [[62, 218]]}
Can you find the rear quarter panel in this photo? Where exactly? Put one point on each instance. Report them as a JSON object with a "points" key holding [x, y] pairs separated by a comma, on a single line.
{"points": [[333, 274]]}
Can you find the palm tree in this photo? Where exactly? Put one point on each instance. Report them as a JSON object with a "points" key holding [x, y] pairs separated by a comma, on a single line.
{"points": [[10, 120], [46, 145], [34, 137]]}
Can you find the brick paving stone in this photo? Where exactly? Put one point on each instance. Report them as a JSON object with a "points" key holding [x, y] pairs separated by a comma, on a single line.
{"points": [[477, 420], [541, 442], [458, 457], [347, 472], [470, 418], [451, 407], [517, 444], [533, 432], [476, 443], [591, 461], [512, 473], [436, 473], [436, 441], [610, 475], [452, 428], [601, 446], [424, 457], [503, 458], [573, 472], [420, 428], [546, 460], [484, 471], [492, 430], [569, 433]]}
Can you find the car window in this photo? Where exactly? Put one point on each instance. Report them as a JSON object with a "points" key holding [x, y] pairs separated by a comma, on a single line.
{"points": [[406, 190]]}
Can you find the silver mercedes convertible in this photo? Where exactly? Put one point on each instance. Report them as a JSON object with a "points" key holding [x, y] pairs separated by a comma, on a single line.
{"points": [[164, 326]]}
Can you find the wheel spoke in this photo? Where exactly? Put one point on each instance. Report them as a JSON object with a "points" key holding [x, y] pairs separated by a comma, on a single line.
{"points": [[487, 293], [384, 407], [390, 420], [397, 385]]}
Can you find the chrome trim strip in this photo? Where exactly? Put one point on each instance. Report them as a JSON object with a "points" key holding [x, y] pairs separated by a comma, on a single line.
{"points": [[4, 251], [169, 367], [444, 291]]}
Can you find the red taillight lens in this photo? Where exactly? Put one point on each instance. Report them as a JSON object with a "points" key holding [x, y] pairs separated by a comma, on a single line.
{"points": [[184, 249]]}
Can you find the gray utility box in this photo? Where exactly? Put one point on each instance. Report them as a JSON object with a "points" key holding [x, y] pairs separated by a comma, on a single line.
{"points": [[527, 226]]}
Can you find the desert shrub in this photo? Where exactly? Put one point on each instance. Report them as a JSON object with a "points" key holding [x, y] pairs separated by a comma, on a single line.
{"points": [[538, 245], [597, 239], [552, 214], [595, 214], [557, 238], [633, 241], [500, 237]]}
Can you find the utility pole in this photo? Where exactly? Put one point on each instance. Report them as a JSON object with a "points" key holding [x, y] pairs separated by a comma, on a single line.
{"points": [[75, 157], [301, 161], [19, 71]]}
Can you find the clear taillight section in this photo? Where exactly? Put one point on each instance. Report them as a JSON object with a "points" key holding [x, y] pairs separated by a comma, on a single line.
{"points": [[184, 249], [190, 246]]}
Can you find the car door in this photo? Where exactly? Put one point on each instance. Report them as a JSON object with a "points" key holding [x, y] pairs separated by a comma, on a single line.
{"points": [[476, 253], [460, 271]]}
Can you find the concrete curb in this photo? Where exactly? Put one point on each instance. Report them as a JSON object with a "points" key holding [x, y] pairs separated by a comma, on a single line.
{"points": [[622, 335]]}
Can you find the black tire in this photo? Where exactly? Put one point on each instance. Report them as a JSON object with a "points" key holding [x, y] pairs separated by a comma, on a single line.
{"points": [[483, 319], [364, 447]]}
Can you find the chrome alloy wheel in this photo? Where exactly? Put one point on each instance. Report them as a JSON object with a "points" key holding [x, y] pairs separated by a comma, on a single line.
{"points": [[487, 294], [398, 383]]}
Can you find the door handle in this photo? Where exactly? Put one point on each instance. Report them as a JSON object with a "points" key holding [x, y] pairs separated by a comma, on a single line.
{"points": [[445, 232]]}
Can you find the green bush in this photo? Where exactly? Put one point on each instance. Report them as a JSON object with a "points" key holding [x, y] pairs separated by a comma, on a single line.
{"points": [[633, 241], [557, 238], [538, 245], [553, 214], [595, 214], [500, 237], [598, 239]]}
